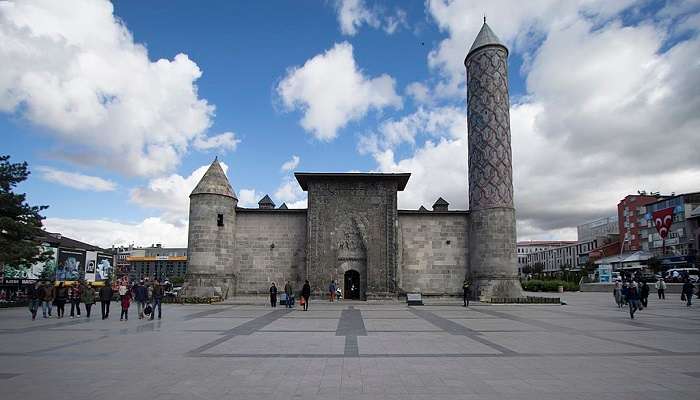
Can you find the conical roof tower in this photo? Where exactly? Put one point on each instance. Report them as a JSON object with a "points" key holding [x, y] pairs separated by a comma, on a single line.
{"points": [[486, 37], [214, 181]]}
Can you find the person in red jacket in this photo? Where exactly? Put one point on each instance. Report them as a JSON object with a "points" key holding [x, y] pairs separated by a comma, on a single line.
{"points": [[126, 301]]}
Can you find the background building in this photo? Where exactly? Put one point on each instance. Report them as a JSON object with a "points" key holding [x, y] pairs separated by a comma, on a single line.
{"points": [[599, 227], [680, 247], [157, 262], [532, 246], [631, 218]]}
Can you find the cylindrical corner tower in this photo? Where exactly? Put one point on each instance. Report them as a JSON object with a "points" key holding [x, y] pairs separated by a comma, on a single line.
{"points": [[492, 239], [211, 244]]}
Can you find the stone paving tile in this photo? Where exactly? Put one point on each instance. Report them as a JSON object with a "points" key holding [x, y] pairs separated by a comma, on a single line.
{"points": [[586, 350]]}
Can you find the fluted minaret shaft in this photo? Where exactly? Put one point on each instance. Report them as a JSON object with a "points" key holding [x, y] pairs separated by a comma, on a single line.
{"points": [[492, 238]]}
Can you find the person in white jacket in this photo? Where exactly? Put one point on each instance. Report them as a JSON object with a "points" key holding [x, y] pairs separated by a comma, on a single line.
{"points": [[661, 288]]}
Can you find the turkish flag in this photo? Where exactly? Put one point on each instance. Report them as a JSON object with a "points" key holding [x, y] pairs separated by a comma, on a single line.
{"points": [[663, 220]]}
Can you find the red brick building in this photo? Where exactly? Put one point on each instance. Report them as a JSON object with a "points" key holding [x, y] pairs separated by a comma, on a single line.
{"points": [[630, 212]]}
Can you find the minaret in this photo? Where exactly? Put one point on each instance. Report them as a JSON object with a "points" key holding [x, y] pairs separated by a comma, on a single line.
{"points": [[492, 240], [211, 242]]}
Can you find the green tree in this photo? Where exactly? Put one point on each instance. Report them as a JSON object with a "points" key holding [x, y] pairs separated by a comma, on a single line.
{"points": [[655, 265], [538, 268], [20, 223]]}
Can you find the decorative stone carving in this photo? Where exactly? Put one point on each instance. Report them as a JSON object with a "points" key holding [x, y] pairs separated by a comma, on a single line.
{"points": [[490, 165]]}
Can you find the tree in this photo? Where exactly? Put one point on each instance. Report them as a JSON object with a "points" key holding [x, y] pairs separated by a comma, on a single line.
{"points": [[655, 265], [538, 268], [20, 223]]}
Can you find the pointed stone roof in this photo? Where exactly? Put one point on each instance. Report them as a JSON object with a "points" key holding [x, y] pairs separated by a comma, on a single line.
{"points": [[214, 181], [283, 207], [441, 202], [422, 208], [440, 205], [486, 37], [266, 202]]}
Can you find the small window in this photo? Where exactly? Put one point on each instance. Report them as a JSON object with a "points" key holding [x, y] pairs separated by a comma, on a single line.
{"points": [[220, 220]]}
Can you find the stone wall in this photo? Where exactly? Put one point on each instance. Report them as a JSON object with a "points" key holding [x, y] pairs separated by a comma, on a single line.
{"points": [[270, 247], [211, 248], [432, 252], [351, 225]]}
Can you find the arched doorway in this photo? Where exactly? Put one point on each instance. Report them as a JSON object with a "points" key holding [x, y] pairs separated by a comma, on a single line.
{"points": [[352, 285]]}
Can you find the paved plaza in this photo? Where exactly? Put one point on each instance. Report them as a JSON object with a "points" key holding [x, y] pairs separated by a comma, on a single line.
{"points": [[587, 349]]}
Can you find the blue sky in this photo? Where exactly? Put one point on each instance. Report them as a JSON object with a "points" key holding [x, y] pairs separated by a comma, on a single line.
{"points": [[341, 85]]}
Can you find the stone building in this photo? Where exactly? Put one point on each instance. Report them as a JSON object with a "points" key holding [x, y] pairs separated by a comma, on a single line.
{"points": [[353, 232]]}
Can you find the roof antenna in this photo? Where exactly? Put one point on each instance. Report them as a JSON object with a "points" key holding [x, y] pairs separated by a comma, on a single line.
{"points": [[484, 17]]}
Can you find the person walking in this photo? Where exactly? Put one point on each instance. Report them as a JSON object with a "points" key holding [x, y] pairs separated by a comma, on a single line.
{"points": [[688, 289], [47, 299], [644, 294], [125, 300], [87, 295], [60, 300], [305, 294], [661, 288], [106, 294], [288, 293], [624, 291], [617, 293], [331, 291], [141, 296], [466, 285], [34, 296], [157, 298], [74, 298], [633, 298], [273, 295]]}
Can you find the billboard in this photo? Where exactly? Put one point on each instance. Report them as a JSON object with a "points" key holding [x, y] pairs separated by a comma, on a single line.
{"points": [[105, 267], [90, 265], [71, 265], [40, 270]]}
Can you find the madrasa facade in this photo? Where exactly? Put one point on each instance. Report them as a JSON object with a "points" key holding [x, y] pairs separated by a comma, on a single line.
{"points": [[352, 231]]}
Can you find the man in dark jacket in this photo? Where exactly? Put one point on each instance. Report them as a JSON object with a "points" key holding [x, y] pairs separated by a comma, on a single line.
{"points": [[306, 293], [141, 296], [106, 294], [688, 289], [47, 298], [288, 291], [465, 287], [34, 294], [644, 294], [158, 293], [633, 298]]}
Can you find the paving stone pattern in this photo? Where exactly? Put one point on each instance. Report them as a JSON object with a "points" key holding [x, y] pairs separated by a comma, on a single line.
{"points": [[588, 349]]}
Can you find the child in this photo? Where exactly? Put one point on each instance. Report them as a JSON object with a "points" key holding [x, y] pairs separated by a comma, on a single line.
{"points": [[126, 300]]}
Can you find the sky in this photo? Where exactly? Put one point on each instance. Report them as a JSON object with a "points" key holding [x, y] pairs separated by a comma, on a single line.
{"points": [[120, 107]]}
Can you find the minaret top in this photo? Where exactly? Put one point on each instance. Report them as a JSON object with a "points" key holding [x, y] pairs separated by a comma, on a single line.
{"points": [[214, 181], [486, 37]]}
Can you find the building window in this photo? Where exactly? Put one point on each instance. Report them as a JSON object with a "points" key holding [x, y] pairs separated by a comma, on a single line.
{"points": [[220, 219]]}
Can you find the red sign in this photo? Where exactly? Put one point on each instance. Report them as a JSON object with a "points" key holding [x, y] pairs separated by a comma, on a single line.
{"points": [[663, 220]]}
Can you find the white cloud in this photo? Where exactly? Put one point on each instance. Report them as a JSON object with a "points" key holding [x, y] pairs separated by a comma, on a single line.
{"points": [[420, 93], [105, 233], [352, 14], [170, 194], [437, 170], [76, 180], [291, 164], [610, 109], [331, 91], [290, 192], [437, 122], [249, 198], [73, 67], [519, 24], [223, 141]]}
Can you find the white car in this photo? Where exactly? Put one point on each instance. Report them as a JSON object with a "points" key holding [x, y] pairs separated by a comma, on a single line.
{"points": [[676, 272]]}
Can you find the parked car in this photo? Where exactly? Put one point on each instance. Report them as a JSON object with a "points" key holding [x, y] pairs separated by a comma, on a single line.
{"points": [[677, 274]]}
